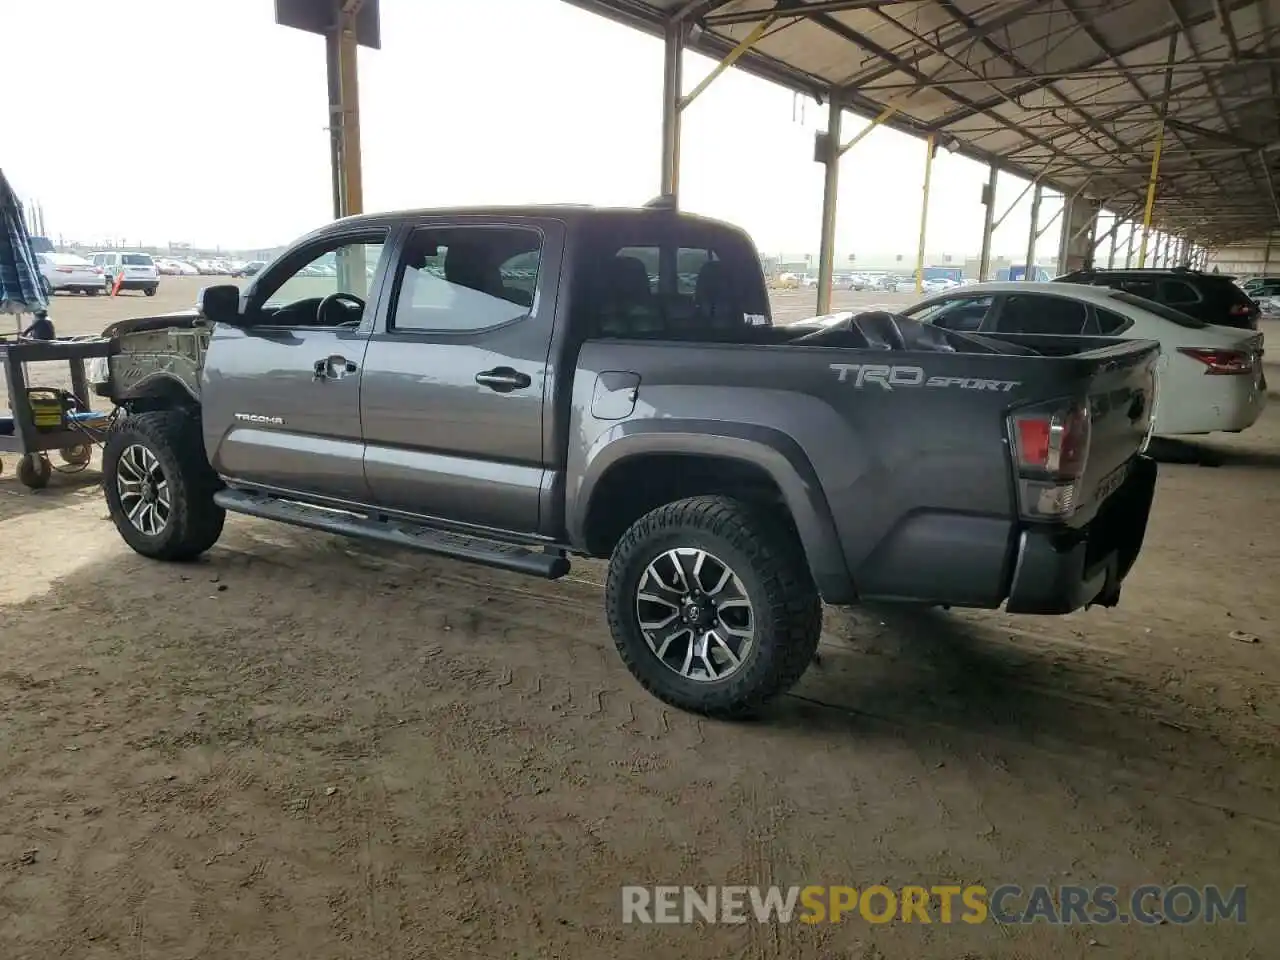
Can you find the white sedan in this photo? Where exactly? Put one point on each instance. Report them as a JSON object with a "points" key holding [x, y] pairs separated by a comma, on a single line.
{"points": [[1211, 377], [66, 271], [938, 284]]}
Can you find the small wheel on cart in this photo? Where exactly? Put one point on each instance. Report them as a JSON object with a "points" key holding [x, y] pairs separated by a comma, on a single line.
{"points": [[77, 456], [34, 471]]}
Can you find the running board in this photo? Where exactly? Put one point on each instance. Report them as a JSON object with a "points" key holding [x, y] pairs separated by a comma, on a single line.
{"points": [[446, 543]]}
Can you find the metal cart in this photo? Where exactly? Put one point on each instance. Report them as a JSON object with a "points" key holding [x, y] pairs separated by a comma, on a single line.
{"points": [[28, 429]]}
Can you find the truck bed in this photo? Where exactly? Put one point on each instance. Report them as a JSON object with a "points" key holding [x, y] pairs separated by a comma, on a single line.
{"points": [[905, 452]]}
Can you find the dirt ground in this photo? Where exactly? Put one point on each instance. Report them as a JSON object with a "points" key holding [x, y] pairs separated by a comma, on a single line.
{"points": [[302, 747]]}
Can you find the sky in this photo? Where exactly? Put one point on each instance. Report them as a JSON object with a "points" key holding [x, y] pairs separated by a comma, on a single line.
{"points": [[202, 121]]}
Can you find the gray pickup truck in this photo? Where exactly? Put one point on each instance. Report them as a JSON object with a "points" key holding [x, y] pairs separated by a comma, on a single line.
{"points": [[516, 387]]}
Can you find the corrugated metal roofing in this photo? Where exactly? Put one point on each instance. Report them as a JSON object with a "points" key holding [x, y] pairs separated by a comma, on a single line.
{"points": [[1072, 91]]}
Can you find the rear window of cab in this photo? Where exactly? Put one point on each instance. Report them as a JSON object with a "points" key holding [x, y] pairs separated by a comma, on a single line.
{"points": [[136, 260]]}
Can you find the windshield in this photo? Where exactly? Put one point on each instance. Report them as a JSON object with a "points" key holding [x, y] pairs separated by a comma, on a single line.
{"points": [[136, 259], [1159, 309]]}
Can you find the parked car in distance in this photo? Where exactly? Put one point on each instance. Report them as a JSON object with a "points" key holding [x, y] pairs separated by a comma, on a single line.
{"points": [[1260, 288], [66, 272], [250, 269], [886, 284], [137, 270], [512, 389], [938, 285], [1211, 377], [1211, 297]]}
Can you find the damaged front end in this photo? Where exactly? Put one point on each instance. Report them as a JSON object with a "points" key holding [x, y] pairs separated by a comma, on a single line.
{"points": [[156, 356]]}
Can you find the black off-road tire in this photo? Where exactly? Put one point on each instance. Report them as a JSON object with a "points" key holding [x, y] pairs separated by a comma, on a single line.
{"points": [[768, 559], [195, 521]]}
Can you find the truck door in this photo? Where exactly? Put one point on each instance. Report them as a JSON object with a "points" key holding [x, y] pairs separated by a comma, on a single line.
{"points": [[457, 366], [281, 398]]}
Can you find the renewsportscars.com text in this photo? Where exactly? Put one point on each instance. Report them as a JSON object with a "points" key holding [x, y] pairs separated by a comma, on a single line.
{"points": [[1066, 904]]}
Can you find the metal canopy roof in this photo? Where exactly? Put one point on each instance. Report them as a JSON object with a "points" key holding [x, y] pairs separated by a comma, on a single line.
{"points": [[1070, 91]]}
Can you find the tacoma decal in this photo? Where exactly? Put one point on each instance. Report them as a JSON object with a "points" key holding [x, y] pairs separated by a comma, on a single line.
{"points": [[260, 418], [889, 377]]}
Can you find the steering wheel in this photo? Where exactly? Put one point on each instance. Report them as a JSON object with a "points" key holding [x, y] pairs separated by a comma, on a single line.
{"points": [[348, 300]]}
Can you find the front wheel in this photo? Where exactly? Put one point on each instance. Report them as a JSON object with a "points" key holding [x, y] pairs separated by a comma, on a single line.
{"points": [[159, 485], [712, 607]]}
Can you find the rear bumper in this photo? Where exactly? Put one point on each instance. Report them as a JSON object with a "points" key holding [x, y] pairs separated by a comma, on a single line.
{"points": [[1058, 571], [139, 283], [1234, 404]]}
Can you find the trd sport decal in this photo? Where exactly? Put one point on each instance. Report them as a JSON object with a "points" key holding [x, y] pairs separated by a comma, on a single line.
{"points": [[891, 377]]}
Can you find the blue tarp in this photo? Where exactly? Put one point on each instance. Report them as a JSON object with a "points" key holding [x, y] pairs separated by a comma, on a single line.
{"points": [[20, 288]]}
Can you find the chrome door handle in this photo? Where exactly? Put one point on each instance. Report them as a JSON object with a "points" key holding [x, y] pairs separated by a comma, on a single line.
{"points": [[333, 368], [503, 379]]}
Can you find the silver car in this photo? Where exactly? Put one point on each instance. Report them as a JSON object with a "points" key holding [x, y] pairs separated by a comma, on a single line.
{"points": [[69, 273]]}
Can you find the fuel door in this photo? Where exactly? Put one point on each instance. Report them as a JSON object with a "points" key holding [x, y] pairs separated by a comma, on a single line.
{"points": [[615, 394]]}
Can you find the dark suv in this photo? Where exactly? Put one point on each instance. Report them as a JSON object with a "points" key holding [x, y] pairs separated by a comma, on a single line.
{"points": [[1210, 297]]}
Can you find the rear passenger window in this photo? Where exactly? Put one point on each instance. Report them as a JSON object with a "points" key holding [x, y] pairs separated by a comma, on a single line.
{"points": [[964, 315], [466, 279], [648, 258], [689, 264], [1109, 323], [668, 280], [1027, 313], [1175, 292], [1139, 288]]}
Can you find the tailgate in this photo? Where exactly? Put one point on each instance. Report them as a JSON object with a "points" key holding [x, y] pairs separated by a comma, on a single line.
{"points": [[1122, 396]]}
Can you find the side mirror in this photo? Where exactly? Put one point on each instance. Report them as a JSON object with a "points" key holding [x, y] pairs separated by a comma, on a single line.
{"points": [[221, 304]]}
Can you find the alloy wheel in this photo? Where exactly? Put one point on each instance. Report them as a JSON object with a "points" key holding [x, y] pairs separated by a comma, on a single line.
{"points": [[144, 490], [695, 614]]}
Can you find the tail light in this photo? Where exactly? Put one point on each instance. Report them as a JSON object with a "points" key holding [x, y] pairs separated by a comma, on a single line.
{"points": [[1220, 362], [98, 271], [66, 269], [1050, 445], [1241, 309]]}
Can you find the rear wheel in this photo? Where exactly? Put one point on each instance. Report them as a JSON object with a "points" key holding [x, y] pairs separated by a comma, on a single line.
{"points": [[712, 607], [159, 485], [150, 291]]}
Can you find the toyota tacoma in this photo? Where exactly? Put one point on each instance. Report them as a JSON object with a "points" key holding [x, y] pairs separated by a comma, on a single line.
{"points": [[520, 387]]}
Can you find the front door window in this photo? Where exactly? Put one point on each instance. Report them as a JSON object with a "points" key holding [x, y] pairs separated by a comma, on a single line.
{"points": [[329, 289]]}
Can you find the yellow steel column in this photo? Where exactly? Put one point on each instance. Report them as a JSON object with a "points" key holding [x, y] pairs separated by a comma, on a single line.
{"points": [[1151, 196], [931, 145]]}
